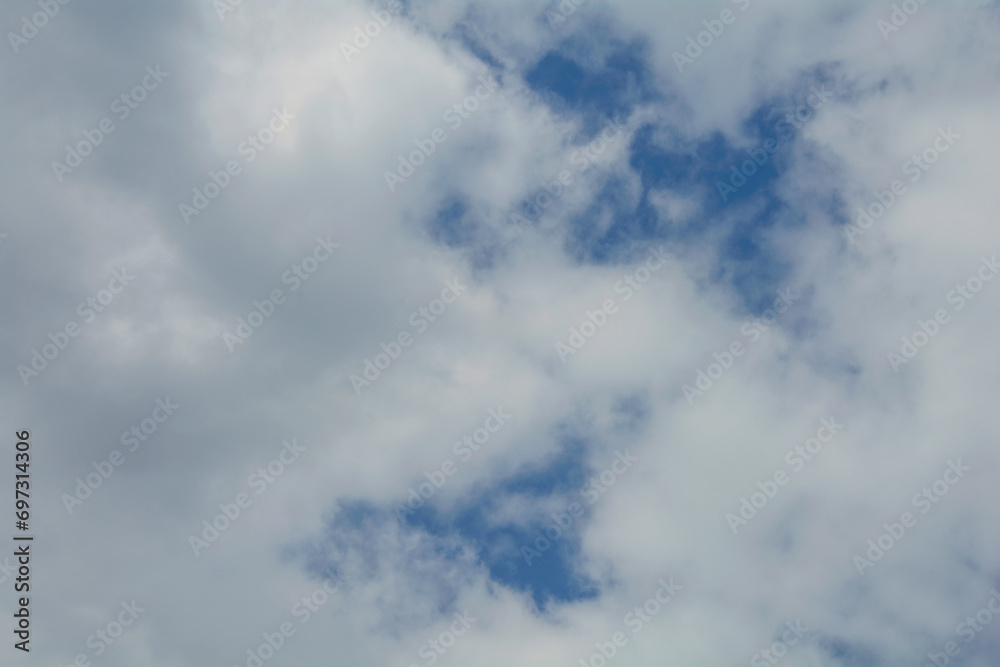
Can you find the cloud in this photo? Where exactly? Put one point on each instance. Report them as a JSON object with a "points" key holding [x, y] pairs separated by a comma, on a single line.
{"points": [[560, 154]]}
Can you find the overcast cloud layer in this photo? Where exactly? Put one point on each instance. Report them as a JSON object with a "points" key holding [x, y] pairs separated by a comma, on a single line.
{"points": [[502, 333]]}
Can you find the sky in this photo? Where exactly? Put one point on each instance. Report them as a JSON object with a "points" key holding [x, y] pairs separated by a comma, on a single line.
{"points": [[487, 333]]}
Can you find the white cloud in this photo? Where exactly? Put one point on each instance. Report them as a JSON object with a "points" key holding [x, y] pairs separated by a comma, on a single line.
{"points": [[495, 344]]}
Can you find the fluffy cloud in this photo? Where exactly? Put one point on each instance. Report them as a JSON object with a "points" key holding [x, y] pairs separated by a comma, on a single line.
{"points": [[539, 166]]}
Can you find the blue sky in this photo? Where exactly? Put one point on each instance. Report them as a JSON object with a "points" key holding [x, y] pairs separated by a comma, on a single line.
{"points": [[688, 343]]}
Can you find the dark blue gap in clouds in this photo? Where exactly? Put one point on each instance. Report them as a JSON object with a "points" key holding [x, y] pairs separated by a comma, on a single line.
{"points": [[595, 77], [571, 81], [610, 229], [456, 535], [550, 577], [352, 535], [456, 226], [451, 226], [738, 218]]}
